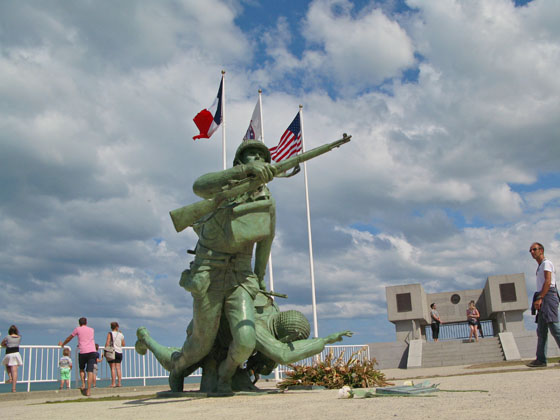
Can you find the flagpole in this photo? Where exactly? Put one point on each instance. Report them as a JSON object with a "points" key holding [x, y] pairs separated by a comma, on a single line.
{"points": [[311, 268], [270, 272], [224, 119], [261, 115]]}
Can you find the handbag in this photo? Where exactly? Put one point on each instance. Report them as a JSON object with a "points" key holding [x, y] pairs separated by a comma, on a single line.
{"points": [[110, 351]]}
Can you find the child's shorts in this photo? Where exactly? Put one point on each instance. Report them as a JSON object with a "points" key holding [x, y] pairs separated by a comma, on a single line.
{"points": [[65, 374]]}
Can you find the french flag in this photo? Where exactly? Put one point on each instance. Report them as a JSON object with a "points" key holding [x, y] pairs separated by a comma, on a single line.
{"points": [[208, 120]]}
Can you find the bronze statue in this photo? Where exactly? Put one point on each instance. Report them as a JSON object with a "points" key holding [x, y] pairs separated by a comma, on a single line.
{"points": [[281, 339], [236, 217]]}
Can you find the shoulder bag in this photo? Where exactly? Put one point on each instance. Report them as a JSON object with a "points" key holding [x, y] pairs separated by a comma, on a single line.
{"points": [[110, 350]]}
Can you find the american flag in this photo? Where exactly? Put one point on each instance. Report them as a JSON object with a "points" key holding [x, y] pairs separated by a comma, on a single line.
{"points": [[290, 142]]}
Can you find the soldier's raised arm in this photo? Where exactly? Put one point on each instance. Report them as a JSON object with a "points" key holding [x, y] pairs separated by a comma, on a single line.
{"points": [[208, 185], [252, 159]]}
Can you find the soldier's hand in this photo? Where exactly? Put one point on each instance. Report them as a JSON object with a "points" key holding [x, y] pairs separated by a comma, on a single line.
{"points": [[183, 281], [333, 338], [263, 171]]}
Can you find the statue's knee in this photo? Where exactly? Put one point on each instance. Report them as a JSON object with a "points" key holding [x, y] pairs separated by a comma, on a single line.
{"points": [[197, 348], [245, 343]]}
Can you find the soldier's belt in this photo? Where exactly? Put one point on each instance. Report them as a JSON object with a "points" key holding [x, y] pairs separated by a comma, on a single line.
{"points": [[205, 256]]}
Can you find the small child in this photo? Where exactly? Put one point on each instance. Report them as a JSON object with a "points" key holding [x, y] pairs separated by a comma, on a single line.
{"points": [[98, 359], [65, 365]]}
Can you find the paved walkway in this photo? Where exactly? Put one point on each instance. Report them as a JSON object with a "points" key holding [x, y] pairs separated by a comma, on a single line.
{"points": [[505, 392]]}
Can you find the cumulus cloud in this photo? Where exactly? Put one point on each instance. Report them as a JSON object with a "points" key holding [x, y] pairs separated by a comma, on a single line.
{"points": [[541, 198], [359, 51], [348, 50], [96, 149]]}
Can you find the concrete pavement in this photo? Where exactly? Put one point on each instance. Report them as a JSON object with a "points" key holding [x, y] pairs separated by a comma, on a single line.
{"points": [[392, 375], [504, 394]]}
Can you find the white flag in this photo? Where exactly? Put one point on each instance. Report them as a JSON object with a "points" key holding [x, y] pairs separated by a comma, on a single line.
{"points": [[254, 132]]}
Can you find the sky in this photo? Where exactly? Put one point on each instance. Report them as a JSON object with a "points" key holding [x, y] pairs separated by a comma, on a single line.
{"points": [[451, 174]]}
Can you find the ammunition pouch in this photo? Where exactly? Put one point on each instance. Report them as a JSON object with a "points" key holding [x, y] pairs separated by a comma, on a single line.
{"points": [[237, 225], [251, 222], [198, 279]]}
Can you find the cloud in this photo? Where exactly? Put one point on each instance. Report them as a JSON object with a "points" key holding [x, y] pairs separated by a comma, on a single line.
{"points": [[541, 198], [359, 51], [350, 51], [104, 36], [438, 185]]}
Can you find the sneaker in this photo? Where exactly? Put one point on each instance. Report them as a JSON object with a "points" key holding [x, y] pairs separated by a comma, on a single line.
{"points": [[537, 363]]}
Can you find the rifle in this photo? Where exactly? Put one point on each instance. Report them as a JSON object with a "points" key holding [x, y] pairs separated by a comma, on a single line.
{"points": [[271, 293], [186, 216]]}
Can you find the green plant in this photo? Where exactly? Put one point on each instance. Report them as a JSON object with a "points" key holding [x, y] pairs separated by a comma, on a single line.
{"points": [[354, 373]]}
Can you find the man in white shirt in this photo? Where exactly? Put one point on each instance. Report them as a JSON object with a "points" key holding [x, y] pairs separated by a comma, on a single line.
{"points": [[546, 302]]}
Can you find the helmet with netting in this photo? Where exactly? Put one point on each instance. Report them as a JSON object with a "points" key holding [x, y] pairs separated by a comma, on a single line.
{"points": [[291, 326]]}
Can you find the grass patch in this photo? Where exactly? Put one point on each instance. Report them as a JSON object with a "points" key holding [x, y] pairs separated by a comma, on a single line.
{"points": [[499, 364], [101, 399]]}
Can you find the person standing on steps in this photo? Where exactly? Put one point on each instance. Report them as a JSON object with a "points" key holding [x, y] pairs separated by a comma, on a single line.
{"points": [[472, 317], [436, 321]]}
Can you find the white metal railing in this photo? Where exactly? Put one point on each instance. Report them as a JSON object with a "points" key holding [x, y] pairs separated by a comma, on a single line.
{"points": [[458, 330], [40, 364], [133, 366], [342, 350]]}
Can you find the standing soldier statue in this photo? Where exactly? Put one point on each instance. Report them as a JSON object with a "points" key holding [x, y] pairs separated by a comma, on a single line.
{"points": [[236, 217]]}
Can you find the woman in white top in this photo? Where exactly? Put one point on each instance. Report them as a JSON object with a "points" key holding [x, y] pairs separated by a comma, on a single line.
{"points": [[118, 343], [12, 359], [472, 317]]}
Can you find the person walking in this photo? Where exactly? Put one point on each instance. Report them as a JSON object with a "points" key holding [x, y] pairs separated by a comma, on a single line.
{"points": [[436, 321], [116, 338], [545, 302], [12, 359], [88, 355]]}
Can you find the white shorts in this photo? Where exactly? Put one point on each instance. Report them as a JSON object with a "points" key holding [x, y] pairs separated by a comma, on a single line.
{"points": [[12, 359]]}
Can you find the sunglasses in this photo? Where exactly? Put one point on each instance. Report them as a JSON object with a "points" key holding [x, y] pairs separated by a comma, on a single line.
{"points": [[534, 249]]}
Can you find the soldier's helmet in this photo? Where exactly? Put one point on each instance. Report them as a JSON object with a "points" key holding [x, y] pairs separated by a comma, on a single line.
{"points": [[291, 326], [251, 144]]}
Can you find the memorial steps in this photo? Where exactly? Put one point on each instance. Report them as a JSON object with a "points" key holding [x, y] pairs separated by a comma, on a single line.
{"points": [[461, 352]]}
